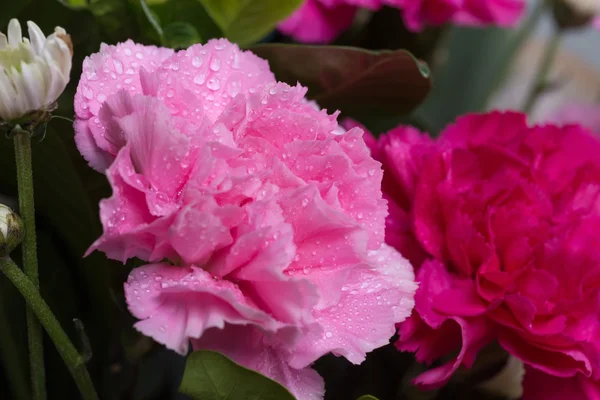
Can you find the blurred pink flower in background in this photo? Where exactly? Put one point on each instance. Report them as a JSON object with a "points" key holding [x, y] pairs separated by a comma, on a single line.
{"points": [[585, 114], [418, 14], [500, 220], [262, 219], [321, 21]]}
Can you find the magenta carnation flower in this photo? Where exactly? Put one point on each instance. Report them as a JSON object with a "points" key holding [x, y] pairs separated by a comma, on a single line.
{"points": [[418, 14], [501, 221], [261, 218], [321, 21]]}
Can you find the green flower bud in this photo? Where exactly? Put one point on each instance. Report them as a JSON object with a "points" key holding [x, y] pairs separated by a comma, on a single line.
{"points": [[570, 14], [11, 230]]}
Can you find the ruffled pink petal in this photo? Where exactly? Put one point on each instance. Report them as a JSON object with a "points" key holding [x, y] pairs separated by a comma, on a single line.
{"points": [[176, 304], [250, 348], [316, 22], [437, 287], [130, 229], [196, 241], [158, 150], [373, 296], [538, 385], [96, 157], [112, 69], [476, 334], [258, 259], [204, 79], [563, 360]]}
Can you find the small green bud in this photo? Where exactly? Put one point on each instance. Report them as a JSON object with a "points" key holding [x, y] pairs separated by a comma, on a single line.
{"points": [[572, 14], [12, 230]]}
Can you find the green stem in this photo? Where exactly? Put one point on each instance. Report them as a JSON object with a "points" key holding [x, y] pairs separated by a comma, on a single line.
{"points": [[30, 265], [66, 349], [543, 72], [521, 36]]}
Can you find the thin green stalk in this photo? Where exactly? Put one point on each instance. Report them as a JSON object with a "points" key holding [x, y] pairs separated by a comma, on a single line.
{"points": [[521, 36], [543, 72], [30, 265], [66, 349]]}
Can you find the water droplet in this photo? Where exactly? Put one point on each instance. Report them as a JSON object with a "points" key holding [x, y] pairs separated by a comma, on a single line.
{"points": [[196, 62], [273, 90], [371, 172], [200, 79], [118, 66], [101, 97], [127, 51], [139, 55], [304, 202], [170, 93], [306, 270], [213, 84], [87, 92], [215, 64], [329, 335]]}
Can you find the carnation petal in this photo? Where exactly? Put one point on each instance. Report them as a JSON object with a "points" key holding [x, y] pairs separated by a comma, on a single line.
{"points": [[176, 304], [373, 296], [252, 349]]}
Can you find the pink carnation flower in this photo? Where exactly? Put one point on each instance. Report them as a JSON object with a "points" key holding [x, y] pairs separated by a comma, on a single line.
{"points": [[321, 21], [585, 114], [506, 220], [261, 218], [418, 14]]}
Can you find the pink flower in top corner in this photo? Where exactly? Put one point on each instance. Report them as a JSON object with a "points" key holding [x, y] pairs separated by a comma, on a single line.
{"points": [[418, 14], [500, 220], [585, 114], [261, 219], [322, 21]]}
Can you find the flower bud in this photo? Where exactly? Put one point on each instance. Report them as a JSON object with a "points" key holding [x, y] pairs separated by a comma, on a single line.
{"points": [[11, 230], [575, 13], [33, 72]]}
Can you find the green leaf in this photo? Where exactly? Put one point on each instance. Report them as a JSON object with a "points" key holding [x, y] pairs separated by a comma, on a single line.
{"points": [[367, 397], [190, 11], [355, 81], [247, 21], [180, 35], [212, 376], [151, 18], [75, 4]]}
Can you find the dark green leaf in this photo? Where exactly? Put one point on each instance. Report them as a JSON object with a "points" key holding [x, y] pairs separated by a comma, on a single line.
{"points": [[212, 376], [180, 35], [247, 21], [190, 11], [355, 81]]}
